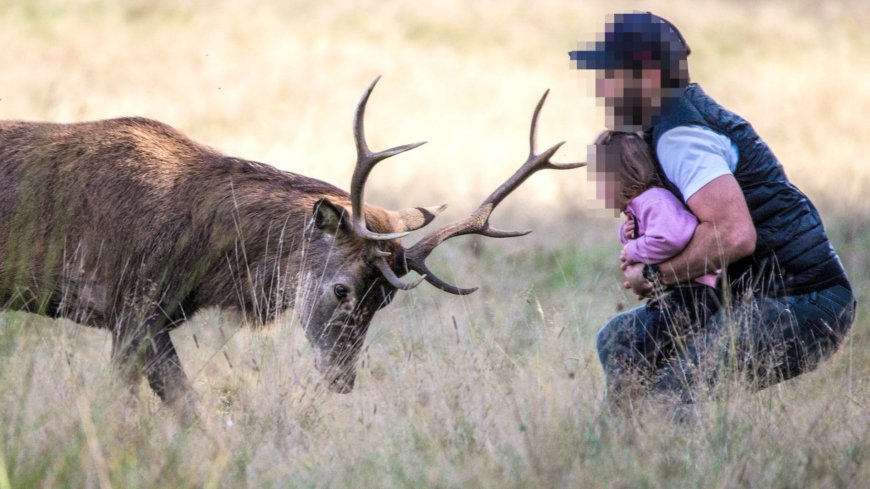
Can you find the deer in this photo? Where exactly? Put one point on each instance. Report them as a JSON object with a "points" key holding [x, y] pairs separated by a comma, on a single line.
{"points": [[130, 226]]}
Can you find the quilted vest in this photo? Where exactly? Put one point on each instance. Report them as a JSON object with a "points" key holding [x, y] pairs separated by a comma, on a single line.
{"points": [[793, 254]]}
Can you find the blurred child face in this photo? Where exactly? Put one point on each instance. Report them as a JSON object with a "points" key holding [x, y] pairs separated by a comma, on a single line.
{"points": [[604, 164]]}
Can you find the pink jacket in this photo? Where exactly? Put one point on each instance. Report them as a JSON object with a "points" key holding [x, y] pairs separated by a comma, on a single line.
{"points": [[663, 227]]}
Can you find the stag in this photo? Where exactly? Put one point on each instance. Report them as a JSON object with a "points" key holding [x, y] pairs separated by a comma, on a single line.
{"points": [[130, 226]]}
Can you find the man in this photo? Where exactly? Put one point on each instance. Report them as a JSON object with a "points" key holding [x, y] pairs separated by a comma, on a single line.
{"points": [[787, 302]]}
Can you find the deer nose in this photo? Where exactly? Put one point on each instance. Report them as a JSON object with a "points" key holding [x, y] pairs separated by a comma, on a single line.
{"points": [[340, 378]]}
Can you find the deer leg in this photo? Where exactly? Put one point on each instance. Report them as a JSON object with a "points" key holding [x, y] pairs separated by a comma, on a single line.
{"points": [[127, 358], [148, 349], [163, 370]]}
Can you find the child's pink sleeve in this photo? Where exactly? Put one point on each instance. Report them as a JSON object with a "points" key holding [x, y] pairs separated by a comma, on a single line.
{"points": [[667, 228]]}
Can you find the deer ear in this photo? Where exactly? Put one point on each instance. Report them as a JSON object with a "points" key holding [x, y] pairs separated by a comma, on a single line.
{"points": [[330, 218]]}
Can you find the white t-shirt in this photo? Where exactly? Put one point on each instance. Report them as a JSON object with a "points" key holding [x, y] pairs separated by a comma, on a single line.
{"points": [[693, 156]]}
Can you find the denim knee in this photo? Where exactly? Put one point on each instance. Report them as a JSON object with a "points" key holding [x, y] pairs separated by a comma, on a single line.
{"points": [[618, 334], [603, 341]]}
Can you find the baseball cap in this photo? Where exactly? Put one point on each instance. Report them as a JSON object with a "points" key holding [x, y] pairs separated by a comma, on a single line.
{"points": [[633, 40]]}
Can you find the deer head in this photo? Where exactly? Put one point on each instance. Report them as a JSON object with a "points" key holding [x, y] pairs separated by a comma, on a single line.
{"points": [[354, 257]]}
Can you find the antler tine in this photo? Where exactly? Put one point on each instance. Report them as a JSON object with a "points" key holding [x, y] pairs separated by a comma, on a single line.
{"points": [[394, 279], [533, 133], [546, 155], [427, 275], [478, 222], [365, 161], [534, 162]]}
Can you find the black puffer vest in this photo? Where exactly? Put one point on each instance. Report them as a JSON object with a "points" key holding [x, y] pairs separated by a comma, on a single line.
{"points": [[793, 254]]}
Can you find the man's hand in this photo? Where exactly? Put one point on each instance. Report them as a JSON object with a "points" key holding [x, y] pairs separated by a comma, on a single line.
{"points": [[634, 280]]}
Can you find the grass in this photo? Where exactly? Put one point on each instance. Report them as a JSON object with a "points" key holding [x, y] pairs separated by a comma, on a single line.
{"points": [[498, 389]]}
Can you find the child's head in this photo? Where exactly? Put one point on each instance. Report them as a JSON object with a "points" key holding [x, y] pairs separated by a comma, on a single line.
{"points": [[621, 165]]}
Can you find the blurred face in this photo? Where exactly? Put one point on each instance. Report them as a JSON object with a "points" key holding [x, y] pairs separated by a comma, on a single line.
{"points": [[631, 97], [604, 163]]}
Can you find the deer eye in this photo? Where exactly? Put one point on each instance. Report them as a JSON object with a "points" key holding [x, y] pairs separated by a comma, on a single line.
{"points": [[340, 291]]}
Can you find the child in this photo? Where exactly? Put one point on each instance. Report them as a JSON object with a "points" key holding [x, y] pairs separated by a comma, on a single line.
{"points": [[658, 226]]}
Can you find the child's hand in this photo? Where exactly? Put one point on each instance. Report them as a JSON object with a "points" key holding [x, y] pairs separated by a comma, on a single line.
{"points": [[628, 228], [626, 258], [635, 280]]}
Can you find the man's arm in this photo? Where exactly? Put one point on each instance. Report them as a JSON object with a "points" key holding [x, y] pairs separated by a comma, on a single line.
{"points": [[725, 233]]}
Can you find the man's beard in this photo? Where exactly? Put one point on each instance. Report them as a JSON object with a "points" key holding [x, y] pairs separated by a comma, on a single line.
{"points": [[632, 113]]}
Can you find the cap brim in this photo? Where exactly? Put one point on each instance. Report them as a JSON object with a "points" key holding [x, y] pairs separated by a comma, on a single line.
{"points": [[592, 60]]}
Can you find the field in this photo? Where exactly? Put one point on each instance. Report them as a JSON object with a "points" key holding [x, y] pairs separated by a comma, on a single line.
{"points": [[501, 388]]}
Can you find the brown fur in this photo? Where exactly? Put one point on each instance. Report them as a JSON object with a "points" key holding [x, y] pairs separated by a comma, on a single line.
{"points": [[128, 225]]}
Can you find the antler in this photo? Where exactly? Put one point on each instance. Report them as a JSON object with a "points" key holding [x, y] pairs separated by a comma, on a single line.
{"points": [[365, 161], [478, 221]]}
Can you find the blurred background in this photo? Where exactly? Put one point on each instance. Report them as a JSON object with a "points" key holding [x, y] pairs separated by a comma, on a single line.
{"points": [[278, 81], [501, 388]]}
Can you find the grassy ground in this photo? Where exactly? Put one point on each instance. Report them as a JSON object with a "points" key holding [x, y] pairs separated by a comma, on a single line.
{"points": [[498, 389]]}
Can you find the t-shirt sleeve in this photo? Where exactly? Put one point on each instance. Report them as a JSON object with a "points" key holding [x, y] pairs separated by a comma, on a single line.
{"points": [[693, 156]]}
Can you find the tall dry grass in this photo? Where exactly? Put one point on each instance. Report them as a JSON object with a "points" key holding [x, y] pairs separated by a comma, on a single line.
{"points": [[501, 388]]}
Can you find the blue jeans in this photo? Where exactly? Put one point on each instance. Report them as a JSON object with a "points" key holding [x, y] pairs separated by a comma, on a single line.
{"points": [[765, 340]]}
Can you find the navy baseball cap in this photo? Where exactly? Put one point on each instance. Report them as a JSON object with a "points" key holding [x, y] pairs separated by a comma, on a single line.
{"points": [[633, 40]]}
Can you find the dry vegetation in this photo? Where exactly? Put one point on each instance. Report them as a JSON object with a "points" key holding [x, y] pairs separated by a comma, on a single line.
{"points": [[498, 389]]}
